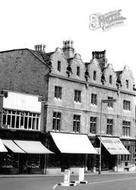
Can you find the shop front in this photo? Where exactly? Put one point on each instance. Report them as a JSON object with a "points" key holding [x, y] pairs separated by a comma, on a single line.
{"points": [[112, 149], [23, 157], [71, 152]]}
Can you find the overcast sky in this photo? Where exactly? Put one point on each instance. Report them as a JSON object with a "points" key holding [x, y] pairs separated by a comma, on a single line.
{"points": [[25, 23]]}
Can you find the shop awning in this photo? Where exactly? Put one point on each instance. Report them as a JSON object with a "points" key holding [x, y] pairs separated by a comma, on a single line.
{"points": [[12, 146], [73, 143], [2, 147], [114, 146], [32, 147]]}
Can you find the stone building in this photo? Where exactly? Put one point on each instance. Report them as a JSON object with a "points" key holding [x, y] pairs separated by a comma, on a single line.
{"points": [[79, 100]]}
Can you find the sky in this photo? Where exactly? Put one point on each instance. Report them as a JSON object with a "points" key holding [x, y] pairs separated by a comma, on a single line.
{"points": [[25, 23]]}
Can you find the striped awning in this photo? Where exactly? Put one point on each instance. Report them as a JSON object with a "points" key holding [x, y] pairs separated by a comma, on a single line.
{"points": [[32, 147], [113, 145]]}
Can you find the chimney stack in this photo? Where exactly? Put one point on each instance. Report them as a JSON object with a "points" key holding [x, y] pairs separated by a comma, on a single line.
{"points": [[68, 49], [101, 57]]}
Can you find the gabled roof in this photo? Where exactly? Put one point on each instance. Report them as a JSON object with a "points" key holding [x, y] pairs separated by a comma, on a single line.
{"points": [[42, 57], [118, 72]]}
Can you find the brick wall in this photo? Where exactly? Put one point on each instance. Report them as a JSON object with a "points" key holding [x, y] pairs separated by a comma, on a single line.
{"points": [[21, 71]]}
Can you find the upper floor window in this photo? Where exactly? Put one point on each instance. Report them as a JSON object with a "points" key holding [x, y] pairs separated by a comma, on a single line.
{"points": [[94, 99], [77, 96], [109, 127], [126, 105], [110, 103], [93, 122], [110, 79], [127, 84], [56, 121], [94, 75], [59, 66], [58, 92], [78, 71], [126, 128], [76, 123], [20, 119]]}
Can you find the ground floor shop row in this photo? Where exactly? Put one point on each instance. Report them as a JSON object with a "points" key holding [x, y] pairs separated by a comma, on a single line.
{"points": [[32, 153]]}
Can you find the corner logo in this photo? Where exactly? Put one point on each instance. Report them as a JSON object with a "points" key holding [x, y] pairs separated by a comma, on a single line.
{"points": [[106, 21]]}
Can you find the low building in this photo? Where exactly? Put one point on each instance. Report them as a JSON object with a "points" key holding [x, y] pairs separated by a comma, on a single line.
{"points": [[21, 135]]}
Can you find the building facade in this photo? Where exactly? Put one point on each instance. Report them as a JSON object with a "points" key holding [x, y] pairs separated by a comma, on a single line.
{"points": [[77, 98]]}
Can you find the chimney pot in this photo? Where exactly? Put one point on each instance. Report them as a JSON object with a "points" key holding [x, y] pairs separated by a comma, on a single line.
{"points": [[40, 48]]}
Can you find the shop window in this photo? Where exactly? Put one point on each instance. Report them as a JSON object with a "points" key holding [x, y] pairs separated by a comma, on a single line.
{"points": [[56, 121], [110, 103], [109, 127], [58, 92], [33, 161], [126, 105], [76, 123], [78, 71], [59, 66], [9, 160], [126, 128], [93, 122], [94, 75], [94, 99], [20, 119], [77, 96]]}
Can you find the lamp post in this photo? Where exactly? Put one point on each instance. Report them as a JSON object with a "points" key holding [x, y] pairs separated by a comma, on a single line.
{"points": [[100, 154]]}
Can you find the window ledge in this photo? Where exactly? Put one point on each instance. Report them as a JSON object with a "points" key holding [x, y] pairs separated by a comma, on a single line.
{"points": [[94, 105], [77, 102], [58, 99]]}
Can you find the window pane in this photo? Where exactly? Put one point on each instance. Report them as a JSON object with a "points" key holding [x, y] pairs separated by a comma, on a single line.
{"points": [[58, 92], [93, 125], [110, 104], [94, 99], [76, 123], [78, 71], [59, 65], [94, 75], [56, 120], [17, 121], [77, 96], [110, 79]]}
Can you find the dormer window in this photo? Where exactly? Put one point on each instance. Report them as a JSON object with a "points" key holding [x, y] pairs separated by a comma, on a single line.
{"points": [[59, 66], [127, 84], [78, 71], [94, 75]]}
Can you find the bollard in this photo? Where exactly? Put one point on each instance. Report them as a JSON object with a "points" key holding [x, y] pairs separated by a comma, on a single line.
{"points": [[81, 176], [67, 176], [67, 179]]}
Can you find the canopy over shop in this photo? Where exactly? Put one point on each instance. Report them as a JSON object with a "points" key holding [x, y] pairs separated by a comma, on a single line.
{"points": [[114, 146], [73, 143], [73, 150]]}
